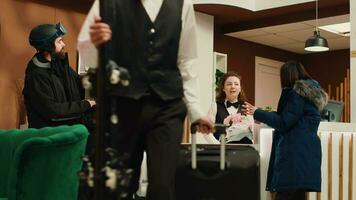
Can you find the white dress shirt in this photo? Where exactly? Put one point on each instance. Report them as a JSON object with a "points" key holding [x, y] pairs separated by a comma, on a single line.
{"points": [[187, 53]]}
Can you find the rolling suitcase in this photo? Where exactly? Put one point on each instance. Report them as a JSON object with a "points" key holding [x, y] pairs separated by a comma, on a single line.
{"points": [[218, 172]]}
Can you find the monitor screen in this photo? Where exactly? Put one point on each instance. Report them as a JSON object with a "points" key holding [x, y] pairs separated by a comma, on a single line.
{"points": [[332, 111]]}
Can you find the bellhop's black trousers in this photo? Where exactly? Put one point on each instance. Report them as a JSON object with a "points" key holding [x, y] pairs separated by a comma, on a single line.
{"points": [[156, 126]]}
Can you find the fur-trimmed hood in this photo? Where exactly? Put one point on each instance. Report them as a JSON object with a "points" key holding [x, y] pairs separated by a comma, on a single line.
{"points": [[311, 90]]}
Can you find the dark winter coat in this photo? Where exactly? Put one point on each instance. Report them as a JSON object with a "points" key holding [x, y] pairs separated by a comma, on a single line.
{"points": [[52, 94], [295, 161]]}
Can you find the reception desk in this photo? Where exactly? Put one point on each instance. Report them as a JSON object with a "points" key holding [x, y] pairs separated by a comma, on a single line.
{"points": [[338, 160]]}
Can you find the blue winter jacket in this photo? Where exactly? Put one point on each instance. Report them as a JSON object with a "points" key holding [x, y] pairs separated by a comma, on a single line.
{"points": [[295, 161]]}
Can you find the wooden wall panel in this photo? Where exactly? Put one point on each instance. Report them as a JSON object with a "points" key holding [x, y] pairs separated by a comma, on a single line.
{"points": [[17, 18]]}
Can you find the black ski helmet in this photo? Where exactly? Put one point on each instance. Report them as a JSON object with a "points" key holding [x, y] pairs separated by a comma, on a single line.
{"points": [[42, 36]]}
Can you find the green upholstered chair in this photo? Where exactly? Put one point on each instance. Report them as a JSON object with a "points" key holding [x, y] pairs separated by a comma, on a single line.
{"points": [[6, 143], [42, 164], [9, 140]]}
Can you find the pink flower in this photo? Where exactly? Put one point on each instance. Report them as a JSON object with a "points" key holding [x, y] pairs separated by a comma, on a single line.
{"points": [[233, 119]]}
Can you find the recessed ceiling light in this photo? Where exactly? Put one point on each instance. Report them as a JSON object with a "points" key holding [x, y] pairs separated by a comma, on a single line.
{"points": [[342, 29]]}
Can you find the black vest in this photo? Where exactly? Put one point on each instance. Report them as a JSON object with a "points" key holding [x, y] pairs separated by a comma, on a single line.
{"points": [[222, 113], [147, 49]]}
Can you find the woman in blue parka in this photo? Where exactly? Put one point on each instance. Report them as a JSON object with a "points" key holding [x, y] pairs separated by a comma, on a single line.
{"points": [[295, 162]]}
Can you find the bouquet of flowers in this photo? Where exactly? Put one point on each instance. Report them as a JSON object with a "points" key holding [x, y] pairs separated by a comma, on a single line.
{"points": [[240, 126]]}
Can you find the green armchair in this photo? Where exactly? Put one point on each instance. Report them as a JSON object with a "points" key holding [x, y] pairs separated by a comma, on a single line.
{"points": [[41, 164]]}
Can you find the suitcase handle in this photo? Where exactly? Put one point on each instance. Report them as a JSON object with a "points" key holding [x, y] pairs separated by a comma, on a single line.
{"points": [[219, 129]]}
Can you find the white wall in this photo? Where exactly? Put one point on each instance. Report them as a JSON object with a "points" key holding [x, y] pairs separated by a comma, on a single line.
{"points": [[353, 60], [204, 69]]}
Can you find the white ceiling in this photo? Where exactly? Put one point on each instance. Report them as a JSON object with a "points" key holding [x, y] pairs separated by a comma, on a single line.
{"points": [[254, 5], [292, 37]]}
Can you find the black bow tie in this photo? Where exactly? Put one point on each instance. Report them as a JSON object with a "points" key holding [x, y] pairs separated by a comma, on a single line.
{"points": [[228, 104]]}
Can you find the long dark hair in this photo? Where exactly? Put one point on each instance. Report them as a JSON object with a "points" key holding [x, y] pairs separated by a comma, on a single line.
{"points": [[292, 71], [220, 94]]}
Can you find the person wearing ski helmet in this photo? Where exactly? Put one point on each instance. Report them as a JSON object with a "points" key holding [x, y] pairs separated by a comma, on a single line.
{"points": [[52, 91]]}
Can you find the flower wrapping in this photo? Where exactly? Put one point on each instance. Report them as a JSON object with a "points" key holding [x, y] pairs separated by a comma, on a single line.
{"points": [[239, 126]]}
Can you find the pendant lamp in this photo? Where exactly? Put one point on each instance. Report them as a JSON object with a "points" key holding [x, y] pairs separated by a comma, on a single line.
{"points": [[316, 43]]}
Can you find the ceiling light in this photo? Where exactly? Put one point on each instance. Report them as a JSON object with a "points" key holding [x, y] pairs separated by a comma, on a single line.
{"points": [[342, 29], [316, 43]]}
